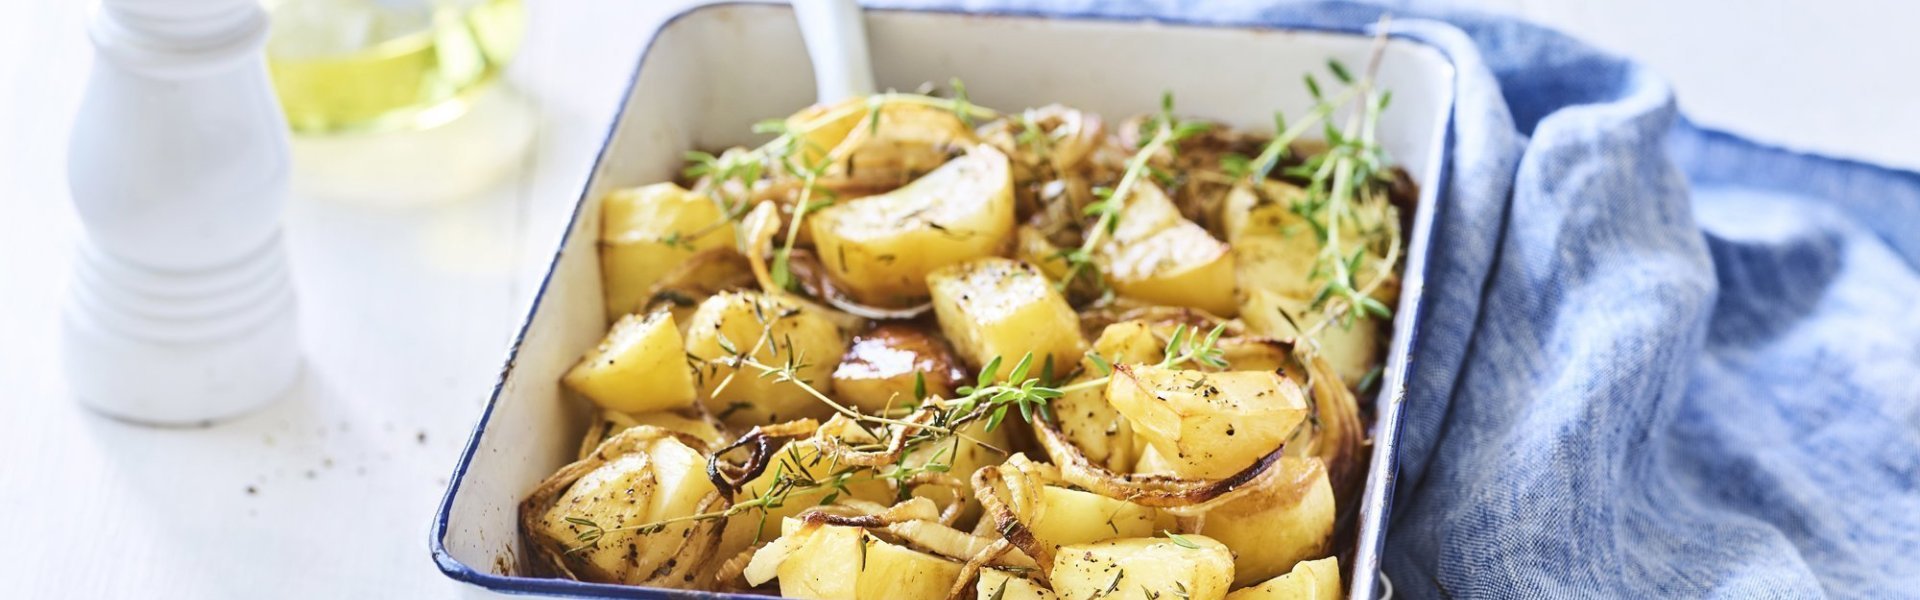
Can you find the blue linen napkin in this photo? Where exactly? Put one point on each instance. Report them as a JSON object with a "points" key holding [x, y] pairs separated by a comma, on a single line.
{"points": [[1657, 361]]}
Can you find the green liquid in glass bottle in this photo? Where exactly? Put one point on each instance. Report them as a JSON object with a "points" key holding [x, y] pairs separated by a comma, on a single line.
{"points": [[343, 66]]}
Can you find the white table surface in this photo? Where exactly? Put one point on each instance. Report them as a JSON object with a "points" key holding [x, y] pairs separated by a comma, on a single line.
{"points": [[407, 311]]}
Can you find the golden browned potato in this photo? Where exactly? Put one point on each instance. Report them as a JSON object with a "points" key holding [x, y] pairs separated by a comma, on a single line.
{"points": [[832, 562], [998, 308], [1208, 425], [883, 364], [1075, 517], [1351, 349], [1274, 528], [1158, 256], [664, 479], [1275, 250], [772, 332], [708, 272], [681, 423], [1032, 247], [645, 232], [999, 585], [1085, 416], [1193, 566], [867, 154], [824, 126], [1309, 580], [880, 248], [639, 367]]}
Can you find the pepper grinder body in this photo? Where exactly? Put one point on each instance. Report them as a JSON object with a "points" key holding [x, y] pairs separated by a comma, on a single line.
{"points": [[181, 308]]}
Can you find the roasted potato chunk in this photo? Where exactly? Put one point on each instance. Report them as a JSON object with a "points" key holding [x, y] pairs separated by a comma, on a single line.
{"points": [[880, 248], [706, 273], [1032, 247], [1158, 256], [645, 232], [639, 367], [772, 332], [1085, 416], [998, 308], [1275, 250], [681, 423], [663, 480], [835, 563], [1144, 569], [1352, 349], [865, 152], [1075, 517], [883, 364], [1309, 580], [1208, 425], [1274, 528], [999, 585]]}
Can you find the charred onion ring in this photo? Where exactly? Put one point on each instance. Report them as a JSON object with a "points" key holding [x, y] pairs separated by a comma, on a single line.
{"points": [[761, 438]]}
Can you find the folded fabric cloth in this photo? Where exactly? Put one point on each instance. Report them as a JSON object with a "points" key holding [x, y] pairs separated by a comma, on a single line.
{"points": [[1656, 361]]}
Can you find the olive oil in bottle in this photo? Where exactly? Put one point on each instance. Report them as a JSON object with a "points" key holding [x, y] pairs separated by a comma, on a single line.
{"points": [[344, 66]]}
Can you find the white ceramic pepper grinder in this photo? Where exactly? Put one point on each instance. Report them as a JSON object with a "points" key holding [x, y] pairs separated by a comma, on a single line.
{"points": [[180, 310]]}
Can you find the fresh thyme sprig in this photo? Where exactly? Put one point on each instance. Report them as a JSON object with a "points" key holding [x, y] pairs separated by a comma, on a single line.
{"points": [[1167, 131], [788, 372], [1345, 192], [1180, 540], [782, 271]]}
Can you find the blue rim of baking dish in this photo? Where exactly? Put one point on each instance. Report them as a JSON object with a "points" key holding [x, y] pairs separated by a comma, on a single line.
{"points": [[1376, 499]]}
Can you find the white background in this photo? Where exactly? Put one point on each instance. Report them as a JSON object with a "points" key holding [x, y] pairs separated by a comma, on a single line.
{"points": [[408, 309]]}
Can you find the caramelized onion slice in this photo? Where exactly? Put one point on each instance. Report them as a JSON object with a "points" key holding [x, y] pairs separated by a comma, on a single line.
{"points": [[1179, 496], [1011, 495], [1336, 436], [869, 515]]}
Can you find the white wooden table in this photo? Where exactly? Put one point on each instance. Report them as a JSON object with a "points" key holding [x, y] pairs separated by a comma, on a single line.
{"points": [[407, 312]]}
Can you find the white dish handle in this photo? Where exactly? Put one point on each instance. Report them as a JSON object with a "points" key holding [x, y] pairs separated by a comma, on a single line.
{"points": [[836, 36]]}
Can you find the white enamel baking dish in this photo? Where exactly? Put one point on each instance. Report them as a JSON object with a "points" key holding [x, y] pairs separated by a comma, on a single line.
{"points": [[711, 72]]}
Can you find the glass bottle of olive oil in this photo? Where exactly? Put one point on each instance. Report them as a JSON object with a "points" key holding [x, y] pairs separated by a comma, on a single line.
{"points": [[344, 66]]}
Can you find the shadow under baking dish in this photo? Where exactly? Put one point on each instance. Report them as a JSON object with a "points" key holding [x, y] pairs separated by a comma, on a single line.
{"points": [[711, 72]]}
